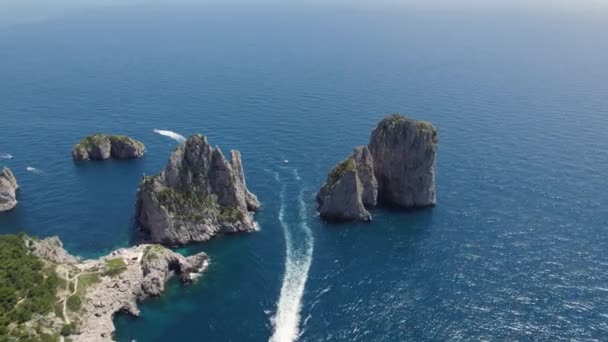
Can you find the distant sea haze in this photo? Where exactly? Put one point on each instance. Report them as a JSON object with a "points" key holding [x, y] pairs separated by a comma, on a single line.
{"points": [[514, 249]]}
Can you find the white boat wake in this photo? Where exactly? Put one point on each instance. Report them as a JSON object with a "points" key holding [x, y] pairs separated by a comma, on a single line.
{"points": [[286, 320], [175, 136], [34, 170], [6, 156]]}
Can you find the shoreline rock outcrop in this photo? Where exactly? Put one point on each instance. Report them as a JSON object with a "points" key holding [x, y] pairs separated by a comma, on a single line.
{"points": [[8, 190], [112, 284], [396, 169], [102, 147], [51, 249], [198, 195], [147, 269]]}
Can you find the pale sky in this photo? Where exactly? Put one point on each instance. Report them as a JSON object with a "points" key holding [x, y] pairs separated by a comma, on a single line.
{"points": [[20, 11]]}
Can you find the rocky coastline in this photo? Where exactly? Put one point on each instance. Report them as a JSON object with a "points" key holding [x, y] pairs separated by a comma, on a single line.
{"points": [[8, 190], [396, 169], [102, 147], [109, 285]]}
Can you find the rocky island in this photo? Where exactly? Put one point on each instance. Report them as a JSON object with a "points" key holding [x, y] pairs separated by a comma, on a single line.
{"points": [[199, 194], [8, 190], [102, 147], [396, 169], [60, 297]]}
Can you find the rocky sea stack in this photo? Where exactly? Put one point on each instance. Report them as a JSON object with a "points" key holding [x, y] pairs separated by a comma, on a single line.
{"points": [[8, 190], [102, 147], [199, 194], [396, 169]]}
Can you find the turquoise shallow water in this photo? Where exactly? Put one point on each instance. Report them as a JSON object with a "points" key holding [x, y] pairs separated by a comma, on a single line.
{"points": [[515, 248]]}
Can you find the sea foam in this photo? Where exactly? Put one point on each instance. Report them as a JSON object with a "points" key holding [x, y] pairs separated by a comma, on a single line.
{"points": [[173, 135], [34, 170], [286, 321]]}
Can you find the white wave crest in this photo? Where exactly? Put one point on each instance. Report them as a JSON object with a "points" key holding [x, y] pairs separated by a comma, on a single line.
{"points": [[6, 156], [175, 136], [34, 170], [286, 321]]}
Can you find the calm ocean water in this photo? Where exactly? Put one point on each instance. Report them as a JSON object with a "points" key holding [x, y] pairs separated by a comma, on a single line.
{"points": [[515, 249]]}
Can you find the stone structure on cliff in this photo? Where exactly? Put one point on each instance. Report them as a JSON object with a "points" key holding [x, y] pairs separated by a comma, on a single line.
{"points": [[102, 147], [396, 169], [199, 194], [8, 190]]}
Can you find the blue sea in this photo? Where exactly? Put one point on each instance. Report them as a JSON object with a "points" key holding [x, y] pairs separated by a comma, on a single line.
{"points": [[516, 248]]}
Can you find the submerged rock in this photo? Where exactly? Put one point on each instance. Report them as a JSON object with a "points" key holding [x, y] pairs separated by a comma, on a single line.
{"points": [[199, 194], [396, 169], [8, 190], [102, 147]]}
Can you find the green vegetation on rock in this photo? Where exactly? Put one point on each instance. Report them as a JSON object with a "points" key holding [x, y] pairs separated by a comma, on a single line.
{"points": [[91, 140], [114, 267], [422, 127], [231, 213], [69, 329], [74, 302], [152, 252], [27, 286], [147, 180], [189, 204], [345, 166], [123, 138]]}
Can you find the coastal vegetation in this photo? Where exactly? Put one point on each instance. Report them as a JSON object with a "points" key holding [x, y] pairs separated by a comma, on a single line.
{"points": [[345, 166], [152, 252], [28, 286], [91, 140], [114, 267], [43, 288], [422, 128]]}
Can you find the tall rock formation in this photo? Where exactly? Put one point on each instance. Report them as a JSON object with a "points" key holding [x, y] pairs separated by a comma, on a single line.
{"points": [[102, 147], [405, 153], [396, 169], [8, 190], [340, 198], [199, 194]]}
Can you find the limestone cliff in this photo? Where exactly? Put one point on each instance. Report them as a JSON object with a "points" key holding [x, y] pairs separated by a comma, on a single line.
{"points": [[348, 188], [102, 147], [199, 194], [145, 272], [397, 168], [8, 190], [405, 152], [51, 249], [93, 291]]}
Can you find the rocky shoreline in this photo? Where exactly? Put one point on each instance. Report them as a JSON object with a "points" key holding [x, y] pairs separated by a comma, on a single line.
{"points": [[111, 284], [8, 190]]}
